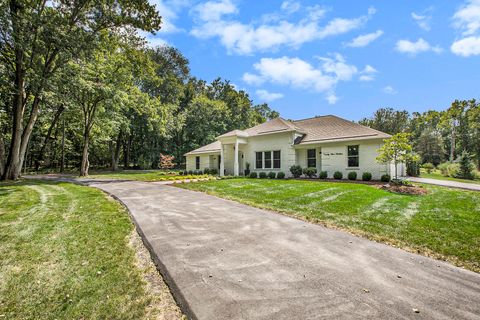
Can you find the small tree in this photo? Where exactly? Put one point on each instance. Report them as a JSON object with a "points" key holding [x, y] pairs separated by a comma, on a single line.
{"points": [[397, 149], [166, 161], [466, 166]]}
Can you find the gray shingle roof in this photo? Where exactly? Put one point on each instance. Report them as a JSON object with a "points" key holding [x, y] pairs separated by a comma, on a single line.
{"points": [[212, 147]]}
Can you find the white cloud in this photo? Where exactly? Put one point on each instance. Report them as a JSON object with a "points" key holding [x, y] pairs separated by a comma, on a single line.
{"points": [[368, 73], [423, 21], [390, 90], [466, 47], [467, 20], [290, 6], [268, 96], [365, 39], [467, 17], [412, 48], [247, 38], [300, 74]]}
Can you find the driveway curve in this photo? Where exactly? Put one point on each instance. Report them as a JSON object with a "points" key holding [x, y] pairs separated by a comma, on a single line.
{"points": [[447, 183], [225, 260]]}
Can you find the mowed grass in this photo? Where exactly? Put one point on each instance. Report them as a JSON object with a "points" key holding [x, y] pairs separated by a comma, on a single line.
{"points": [[437, 175], [143, 175], [65, 255], [445, 223]]}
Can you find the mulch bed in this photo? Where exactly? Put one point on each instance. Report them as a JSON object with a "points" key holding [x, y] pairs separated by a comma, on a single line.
{"points": [[413, 190], [371, 182]]}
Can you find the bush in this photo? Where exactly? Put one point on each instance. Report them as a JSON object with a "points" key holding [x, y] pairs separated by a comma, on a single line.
{"points": [[448, 169], [181, 173], [337, 175], [214, 172], [272, 175], [296, 171], [309, 172], [262, 175], [190, 172], [206, 171], [385, 178], [323, 175], [253, 175], [366, 176], [352, 175], [280, 175], [413, 169], [465, 167], [428, 167]]}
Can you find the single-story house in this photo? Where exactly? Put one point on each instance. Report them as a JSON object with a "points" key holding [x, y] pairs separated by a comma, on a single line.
{"points": [[327, 143]]}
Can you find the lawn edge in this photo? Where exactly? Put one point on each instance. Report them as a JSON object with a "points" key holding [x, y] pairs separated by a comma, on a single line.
{"points": [[355, 232]]}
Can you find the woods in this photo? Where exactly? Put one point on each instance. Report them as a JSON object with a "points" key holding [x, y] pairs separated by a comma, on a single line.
{"points": [[79, 87]]}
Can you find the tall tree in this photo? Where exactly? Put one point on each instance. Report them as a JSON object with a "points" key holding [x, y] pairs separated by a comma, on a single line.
{"points": [[388, 120]]}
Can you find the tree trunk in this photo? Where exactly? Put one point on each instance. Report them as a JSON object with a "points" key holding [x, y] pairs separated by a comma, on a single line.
{"points": [[62, 161], [116, 151], [85, 164], [41, 154], [126, 152], [2, 156]]}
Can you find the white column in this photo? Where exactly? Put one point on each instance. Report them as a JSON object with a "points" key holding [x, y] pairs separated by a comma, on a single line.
{"points": [[235, 165], [222, 161]]}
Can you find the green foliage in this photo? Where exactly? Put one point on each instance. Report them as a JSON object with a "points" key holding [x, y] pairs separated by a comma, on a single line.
{"points": [[465, 170], [338, 175], [323, 175], [272, 175], [253, 175], [388, 120], [448, 169], [396, 150], [385, 178], [428, 167], [280, 175], [413, 168], [366, 176], [214, 172], [309, 172], [352, 175], [296, 171], [262, 175]]}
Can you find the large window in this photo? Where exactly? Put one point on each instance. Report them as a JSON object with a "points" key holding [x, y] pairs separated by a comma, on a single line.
{"points": [[265, 159], [353, 156], [197, 163], [276, 159], [259, 160], [311, 158]]}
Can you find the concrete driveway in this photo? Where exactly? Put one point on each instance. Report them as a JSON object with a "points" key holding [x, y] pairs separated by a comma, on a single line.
{"points": [[225, 260], [447, 183]]}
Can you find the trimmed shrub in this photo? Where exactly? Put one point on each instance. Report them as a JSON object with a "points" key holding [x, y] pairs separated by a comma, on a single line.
{"points": [[337, 175], [262, 175], [214, 172], [428, 167], [309, 172], [253, 175], [206, 171], [296, 171], [190, 172], [385, 178], [323, 175], [413, 169], [280, 175], [272, 175], [181, 173], [352, 175], [366, 176]]}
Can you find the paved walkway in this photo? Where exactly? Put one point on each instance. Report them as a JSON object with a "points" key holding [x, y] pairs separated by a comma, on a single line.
{"points": [[447, 183], [225, 260]]}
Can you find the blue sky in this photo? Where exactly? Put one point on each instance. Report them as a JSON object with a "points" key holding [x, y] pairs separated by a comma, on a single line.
{"points": [[349, 58]]}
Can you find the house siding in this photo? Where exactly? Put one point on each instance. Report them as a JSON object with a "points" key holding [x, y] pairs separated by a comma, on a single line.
{"points": [[208, 160]]}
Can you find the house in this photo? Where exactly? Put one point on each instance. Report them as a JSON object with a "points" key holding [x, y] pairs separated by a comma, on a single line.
{"points": [[327, 143]]}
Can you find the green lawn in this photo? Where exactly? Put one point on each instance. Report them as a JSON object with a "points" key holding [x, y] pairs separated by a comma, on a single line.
{"points": [[445, 223], [143, 175], [65, 254], [435, 174]]}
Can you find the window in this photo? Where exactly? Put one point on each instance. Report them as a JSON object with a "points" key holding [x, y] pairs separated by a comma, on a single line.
{"points": [[311, 158], [259, 160], [353, 156], [197, 163], [276, 159], [268, 159]]}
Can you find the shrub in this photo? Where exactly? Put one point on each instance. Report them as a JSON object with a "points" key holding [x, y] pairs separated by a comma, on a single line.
{"points": [[181, 173], [296, 171], [323, 175], [309, 172], [366, 176], [465, 167], [253, 175], [214, 172], [272, 175], [206, 171], [352, 175], [448, 169], [262, 175], [337, 175], [428, 167], [190, 172], [280, 175], [385, 178], [413, 169]]}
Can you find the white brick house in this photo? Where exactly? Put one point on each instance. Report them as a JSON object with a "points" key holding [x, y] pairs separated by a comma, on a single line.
{"points": [[328, 143]]}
